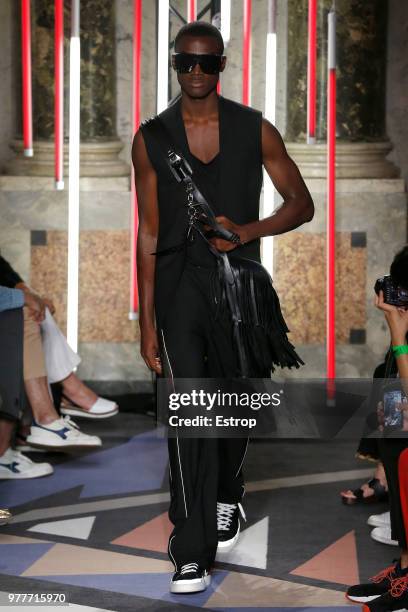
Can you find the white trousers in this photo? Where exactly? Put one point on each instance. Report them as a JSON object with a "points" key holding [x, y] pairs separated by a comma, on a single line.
{"points": [[60, 359]]}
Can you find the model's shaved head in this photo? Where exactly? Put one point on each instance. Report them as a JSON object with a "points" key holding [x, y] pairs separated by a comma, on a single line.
{"points": [[198, 29]]}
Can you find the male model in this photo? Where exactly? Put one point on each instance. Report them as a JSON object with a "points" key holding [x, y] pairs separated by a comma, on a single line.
{"points": [[227, 145]]}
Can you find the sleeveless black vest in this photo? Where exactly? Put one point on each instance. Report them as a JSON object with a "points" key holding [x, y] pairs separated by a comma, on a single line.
{"points": [[240, 138]]}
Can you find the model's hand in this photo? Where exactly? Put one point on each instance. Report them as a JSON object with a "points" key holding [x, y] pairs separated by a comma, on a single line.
{"points": [[35, 305], [49, 304], [225, 245], [397, 319], [149, 350]]}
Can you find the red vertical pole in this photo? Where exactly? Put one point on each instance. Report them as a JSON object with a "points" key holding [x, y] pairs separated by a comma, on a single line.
{"points": [[191, 10], [331, 208], [137, 47], [403, 485], [311, 72], [246, 53], [26, 73], [59, 94]]}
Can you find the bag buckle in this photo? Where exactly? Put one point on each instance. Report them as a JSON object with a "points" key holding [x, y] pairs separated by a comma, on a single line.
{"points": [[180, 167]]}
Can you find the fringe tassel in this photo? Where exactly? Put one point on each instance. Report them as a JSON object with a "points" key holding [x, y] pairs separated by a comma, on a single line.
{"points": [[262, 328]]}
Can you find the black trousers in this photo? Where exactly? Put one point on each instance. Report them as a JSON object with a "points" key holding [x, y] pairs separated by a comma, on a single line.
{"points": [[202, 471], [393, 453], [12, 397]]}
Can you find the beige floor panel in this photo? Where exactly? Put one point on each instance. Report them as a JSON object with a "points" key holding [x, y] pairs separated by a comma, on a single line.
{"points": [[246, 590], [66, 560]]}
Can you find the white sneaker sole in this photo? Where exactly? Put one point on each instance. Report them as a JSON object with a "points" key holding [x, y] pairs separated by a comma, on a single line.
{"points": [[34, 472], [383, 540], [86, 414], [190, 586], [226, 546], [362, 599], [374, 522], [27, 448], [62, 445]]}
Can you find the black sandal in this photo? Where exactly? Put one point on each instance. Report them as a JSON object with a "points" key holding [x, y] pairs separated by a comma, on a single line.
{"points": [[380, 494]]}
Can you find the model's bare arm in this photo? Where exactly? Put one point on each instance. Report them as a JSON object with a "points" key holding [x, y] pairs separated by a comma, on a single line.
{"points": [[297, 207], [146, 190]]}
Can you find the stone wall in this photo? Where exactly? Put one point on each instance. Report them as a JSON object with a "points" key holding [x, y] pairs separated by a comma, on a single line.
{"points": [[397, 83], [397, 71], [8, 81], [371, 213]]}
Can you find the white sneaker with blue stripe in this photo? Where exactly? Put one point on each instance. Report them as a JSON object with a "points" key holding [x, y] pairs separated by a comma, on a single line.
{"points": [[15, 465], [61, 434]]}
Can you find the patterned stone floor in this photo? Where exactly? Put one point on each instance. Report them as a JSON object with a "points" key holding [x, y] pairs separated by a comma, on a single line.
{"points": [[97, 528]]}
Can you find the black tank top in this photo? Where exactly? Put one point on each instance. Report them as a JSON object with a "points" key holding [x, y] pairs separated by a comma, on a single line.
{"points": [[207, 176], [239, 166]]}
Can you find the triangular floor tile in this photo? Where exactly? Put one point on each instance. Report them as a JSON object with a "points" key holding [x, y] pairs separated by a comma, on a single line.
{"points": [[152, 586], [66, 559], [79, 528], [7, 538], [153, 535], [239, 590], [16, 558], [337, 563], [252, 547]]}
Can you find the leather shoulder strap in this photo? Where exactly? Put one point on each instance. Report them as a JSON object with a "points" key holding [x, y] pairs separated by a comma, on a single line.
{"points": [[182, 172]]}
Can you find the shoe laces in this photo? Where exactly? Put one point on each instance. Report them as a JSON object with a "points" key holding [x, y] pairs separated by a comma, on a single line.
{"points": [[387, 573], [188, 567], [225, 513], [20, 458], [399, 586], [68, 422]]}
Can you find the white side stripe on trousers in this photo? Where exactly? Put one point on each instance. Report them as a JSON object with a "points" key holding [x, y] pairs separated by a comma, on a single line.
{"points": [[177, 439]]}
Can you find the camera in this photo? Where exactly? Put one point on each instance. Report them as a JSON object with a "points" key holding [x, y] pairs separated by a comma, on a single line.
{"points": [[394, 294]]}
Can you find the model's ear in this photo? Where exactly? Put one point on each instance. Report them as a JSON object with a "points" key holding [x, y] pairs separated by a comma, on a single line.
{"points": [[223, 63], [173, 62]]}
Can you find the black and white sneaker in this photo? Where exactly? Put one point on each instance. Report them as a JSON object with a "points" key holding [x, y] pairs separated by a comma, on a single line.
{"points": [[61, 434], [228, 525], [190, 579], [378, 585], [15, 466], [396, 600]]}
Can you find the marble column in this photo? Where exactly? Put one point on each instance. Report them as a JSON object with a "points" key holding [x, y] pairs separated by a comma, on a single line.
{"points": [[99, 141], [361, 83]]}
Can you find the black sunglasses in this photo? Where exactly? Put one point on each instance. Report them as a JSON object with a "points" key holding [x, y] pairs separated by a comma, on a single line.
{"points": [[210, 63]]}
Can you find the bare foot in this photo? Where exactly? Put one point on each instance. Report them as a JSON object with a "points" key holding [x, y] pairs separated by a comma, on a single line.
{"points": [[76, 391]]}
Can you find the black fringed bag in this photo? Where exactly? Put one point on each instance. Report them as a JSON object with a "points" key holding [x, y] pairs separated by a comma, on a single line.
{"points": [[242, 289]]}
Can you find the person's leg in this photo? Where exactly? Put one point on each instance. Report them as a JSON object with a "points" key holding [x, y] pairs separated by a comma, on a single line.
{"points": [[35, 375], [60, 362], [11, 365], [223, 363], [6, 433], [48, 430], [13, 465], [193, 461], [390, 451], [11, 374], [75, 390]]}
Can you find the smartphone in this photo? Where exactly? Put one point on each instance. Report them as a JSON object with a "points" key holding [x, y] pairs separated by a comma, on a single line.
{"points": [[393, 416]]}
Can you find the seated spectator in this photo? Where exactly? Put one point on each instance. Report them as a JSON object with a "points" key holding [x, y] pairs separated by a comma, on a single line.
{"points": [[14, 464], [59, 359], [44, 346], [388, 591]]}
